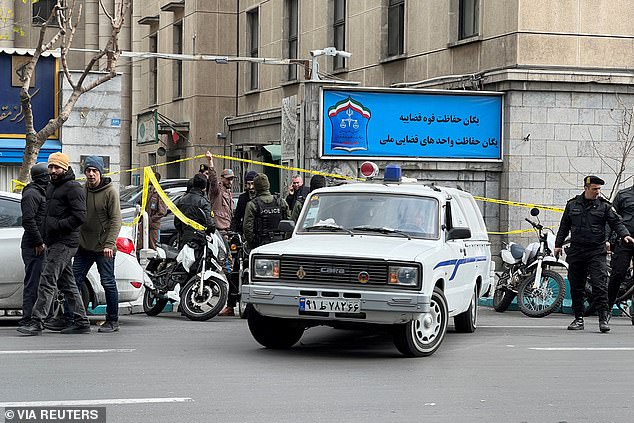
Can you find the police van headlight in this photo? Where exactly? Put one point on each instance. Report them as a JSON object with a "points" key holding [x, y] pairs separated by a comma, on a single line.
{"points": [[403, 275], [266, 268]]}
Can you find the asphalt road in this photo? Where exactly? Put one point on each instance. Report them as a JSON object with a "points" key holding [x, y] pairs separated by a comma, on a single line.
{"points": [[166, 368]]}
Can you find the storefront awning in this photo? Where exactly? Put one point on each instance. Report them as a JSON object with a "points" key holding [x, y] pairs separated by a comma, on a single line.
{"points": [[12, 150], [275, 150]]}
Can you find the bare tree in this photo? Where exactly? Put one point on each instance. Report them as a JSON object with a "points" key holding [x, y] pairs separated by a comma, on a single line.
{"points": [[63, 16]]}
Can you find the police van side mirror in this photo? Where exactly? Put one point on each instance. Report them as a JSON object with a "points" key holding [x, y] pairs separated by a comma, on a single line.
{"points": [[458, 233], [286, 226]]}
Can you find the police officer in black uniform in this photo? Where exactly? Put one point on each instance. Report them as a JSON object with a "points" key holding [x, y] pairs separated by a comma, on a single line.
{"points": [[585, 218], [263, 214], [623, 253]]}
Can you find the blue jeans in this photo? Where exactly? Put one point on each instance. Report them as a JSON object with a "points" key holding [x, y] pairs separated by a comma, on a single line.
{"points": [[32, 270], [105, 265]]}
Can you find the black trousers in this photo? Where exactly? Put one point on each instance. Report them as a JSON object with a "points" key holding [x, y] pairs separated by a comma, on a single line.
{"points": [[620, 262], [58, 271], [584, 261], [32, 270]]}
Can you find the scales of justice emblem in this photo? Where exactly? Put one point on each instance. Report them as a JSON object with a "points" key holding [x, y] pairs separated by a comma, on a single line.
{"points": [[349, 119]]}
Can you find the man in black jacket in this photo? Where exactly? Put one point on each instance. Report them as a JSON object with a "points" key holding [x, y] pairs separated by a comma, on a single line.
{"points": [[191, 205], [623, 253], [33, 205], [585, 218], [65, 213]]}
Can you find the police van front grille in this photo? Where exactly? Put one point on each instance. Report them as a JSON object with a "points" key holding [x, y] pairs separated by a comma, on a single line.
{"points": [[333, 270]]}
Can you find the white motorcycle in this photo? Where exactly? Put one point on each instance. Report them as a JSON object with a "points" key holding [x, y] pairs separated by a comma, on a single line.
{"points": [[195, 277], [527, 274]]}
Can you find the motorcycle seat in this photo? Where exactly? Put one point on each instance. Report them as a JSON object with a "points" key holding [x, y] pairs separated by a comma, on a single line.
{"points": [[517, 251]]}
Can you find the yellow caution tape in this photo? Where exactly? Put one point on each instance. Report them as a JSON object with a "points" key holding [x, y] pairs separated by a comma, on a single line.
{"points": [[148, 177], [518, 204]]}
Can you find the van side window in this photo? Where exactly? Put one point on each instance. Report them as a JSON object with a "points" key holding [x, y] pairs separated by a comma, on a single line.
{"points": [[458, 219]]}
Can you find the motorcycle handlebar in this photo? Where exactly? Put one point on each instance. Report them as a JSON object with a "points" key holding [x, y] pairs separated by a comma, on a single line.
{"points": [[535, 225]]}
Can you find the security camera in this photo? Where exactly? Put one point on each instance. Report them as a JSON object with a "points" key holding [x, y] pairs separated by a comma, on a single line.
{"points": [[345, 54], [315, 53]]}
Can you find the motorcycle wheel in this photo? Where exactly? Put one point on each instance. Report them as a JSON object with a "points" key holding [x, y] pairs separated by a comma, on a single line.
{"points": [[152, 306], [203, 307], [502, 298], [543, 300]]}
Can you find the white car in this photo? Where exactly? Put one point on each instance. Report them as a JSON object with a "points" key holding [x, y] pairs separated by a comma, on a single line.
{"points": [[128, 272], [403, 256]]}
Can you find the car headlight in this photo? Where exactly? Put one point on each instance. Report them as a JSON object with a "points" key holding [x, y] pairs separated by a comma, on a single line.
{"points": [[266, 268], [403, 275]]}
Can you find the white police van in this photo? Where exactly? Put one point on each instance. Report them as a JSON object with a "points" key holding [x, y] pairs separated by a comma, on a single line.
{"points": [[405, 256]]}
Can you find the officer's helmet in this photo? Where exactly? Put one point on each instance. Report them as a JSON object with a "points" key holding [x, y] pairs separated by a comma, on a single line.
{"points": [[39, 171]]}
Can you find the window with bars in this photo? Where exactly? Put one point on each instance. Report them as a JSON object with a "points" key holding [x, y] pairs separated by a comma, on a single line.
{"points": [[395, 27], [339, 31], [153, 62], [253, 20], [468, 19], [177, 48], [292, 36]]}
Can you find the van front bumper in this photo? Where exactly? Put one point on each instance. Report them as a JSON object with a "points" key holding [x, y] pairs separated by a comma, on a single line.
{"points": [[380, 307]]}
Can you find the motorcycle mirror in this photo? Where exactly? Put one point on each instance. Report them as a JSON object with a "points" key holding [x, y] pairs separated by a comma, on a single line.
{"points": [[534, 211]]}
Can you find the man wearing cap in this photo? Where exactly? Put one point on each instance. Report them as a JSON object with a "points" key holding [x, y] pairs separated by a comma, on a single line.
{"points": [[98, 237], [585, 218], [33, 204], [65, 213], [236, 226], [220, 195]]}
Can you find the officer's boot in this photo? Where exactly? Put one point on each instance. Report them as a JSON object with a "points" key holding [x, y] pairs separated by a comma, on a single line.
{"points": [[576, 324], [603, 321]]}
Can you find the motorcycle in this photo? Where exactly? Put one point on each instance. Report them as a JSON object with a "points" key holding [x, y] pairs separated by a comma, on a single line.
{"points": [[527, 274], [193, 276]]}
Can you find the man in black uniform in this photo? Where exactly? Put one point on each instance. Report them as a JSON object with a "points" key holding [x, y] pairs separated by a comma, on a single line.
{"points": [[263, 214], [585, 218], [623, 253], [196, 206]]}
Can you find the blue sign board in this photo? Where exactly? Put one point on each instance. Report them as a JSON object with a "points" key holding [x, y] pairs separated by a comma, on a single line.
{"points": [[43, 93], [115, 122], [412, 125]]}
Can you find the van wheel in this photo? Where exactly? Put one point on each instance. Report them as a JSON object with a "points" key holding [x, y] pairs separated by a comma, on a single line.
{"points": [[272, 332], [422, 337], [468, 321]]}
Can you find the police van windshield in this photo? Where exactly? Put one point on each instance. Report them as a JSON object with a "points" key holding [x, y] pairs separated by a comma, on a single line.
{"points": [[383, 214]]}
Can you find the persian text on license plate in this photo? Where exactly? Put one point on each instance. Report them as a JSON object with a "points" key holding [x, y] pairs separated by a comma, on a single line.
{"points": [[329, 305]]}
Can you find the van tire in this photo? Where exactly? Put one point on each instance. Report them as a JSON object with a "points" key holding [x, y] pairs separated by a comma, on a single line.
{"points": [[467, 322], [272, 332], [423, 336]]}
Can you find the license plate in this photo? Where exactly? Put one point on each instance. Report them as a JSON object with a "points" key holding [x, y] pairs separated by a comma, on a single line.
{"points": [[329, 305]]}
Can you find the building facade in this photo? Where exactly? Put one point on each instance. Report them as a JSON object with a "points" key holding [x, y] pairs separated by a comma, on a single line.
{"points": [[565, 70], [100, 123]]}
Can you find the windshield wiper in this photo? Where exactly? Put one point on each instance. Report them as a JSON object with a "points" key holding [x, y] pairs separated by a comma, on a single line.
{"points": [[380, 229], [330, 228]]}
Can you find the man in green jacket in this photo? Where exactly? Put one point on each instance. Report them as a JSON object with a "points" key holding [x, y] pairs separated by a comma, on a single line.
{"points": [[263, 214], [98, 237]]}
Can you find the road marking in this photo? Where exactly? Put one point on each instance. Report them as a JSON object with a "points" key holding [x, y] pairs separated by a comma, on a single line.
{"points": [[81, 403], [582, 348], [521, 326], [117, 350]]}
